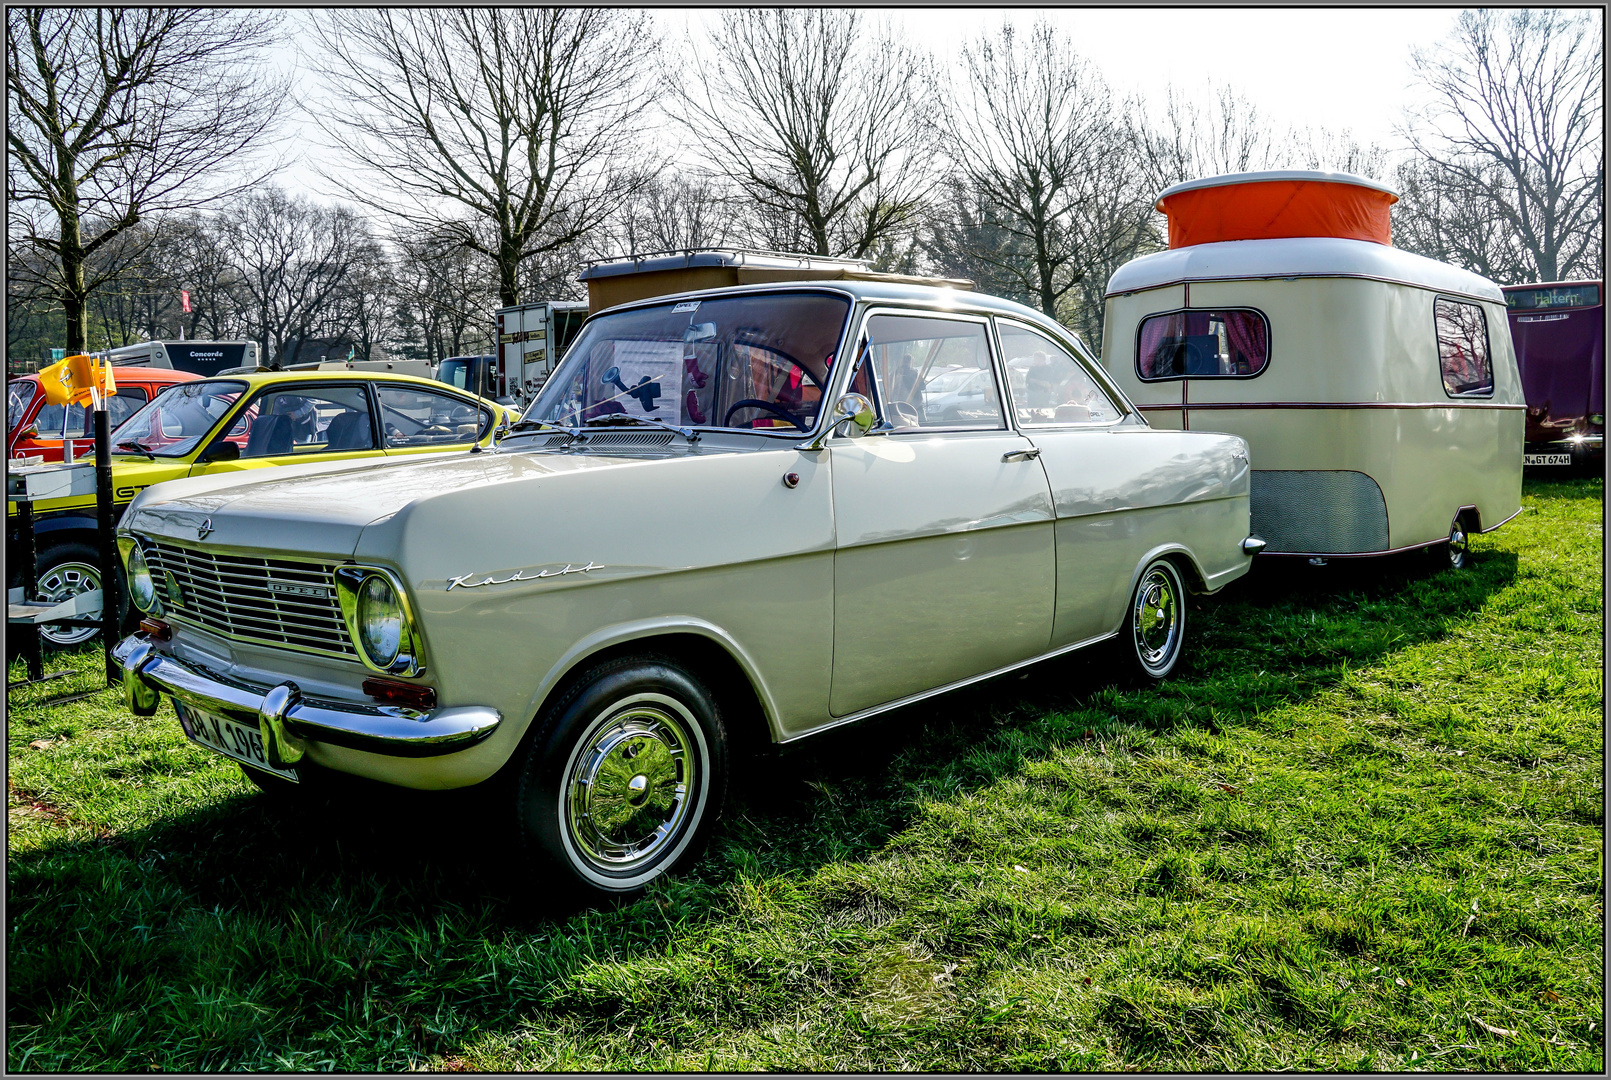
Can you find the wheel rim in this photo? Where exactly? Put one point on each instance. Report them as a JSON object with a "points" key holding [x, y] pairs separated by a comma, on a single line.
{"points": [[1457, 545], [632, 787], [63, 582], [1155, 619]]}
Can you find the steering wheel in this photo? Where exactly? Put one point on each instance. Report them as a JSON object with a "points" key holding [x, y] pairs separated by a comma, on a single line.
{"points": [[903, 409], [755, 403]]}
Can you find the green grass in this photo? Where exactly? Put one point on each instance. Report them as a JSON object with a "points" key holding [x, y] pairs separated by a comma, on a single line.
{"points": [[1362, 829]]}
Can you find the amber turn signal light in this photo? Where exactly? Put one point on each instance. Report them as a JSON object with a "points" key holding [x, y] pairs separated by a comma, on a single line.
{"points": [[393, 692], [156, 629]]}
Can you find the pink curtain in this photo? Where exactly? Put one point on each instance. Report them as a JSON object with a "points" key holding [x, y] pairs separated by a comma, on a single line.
{"points": [[1249, 347]]}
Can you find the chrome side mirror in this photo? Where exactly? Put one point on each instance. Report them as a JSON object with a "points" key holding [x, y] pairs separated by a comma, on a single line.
{"points": [[853, 409], [856, 410]]}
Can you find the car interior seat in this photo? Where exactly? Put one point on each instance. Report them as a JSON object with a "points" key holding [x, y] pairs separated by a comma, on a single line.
{"points": [[270, 437], [349, 431]]}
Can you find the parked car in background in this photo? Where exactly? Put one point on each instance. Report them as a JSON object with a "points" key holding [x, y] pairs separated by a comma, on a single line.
{"points": [[35, 429], [204, 427], [727, 519], [1376, 389], [1558, 330]]}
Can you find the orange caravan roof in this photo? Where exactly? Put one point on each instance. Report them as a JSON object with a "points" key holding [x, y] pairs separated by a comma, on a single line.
{"points": [[1275, 205]]}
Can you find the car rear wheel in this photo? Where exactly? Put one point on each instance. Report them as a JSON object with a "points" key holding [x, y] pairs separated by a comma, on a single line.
{"points": [[1458, 546], [1155, 627], [624, 780]]}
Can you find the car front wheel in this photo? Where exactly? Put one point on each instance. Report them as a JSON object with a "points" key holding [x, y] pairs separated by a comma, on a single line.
{"points": [[624, 780]]}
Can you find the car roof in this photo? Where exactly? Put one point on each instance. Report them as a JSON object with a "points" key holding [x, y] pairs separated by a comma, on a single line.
{"points": [[932, 297], [256, 379]]}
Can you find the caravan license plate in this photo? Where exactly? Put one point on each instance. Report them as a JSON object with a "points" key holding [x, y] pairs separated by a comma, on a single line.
{"points": [[227, 737], [1546, 459]]}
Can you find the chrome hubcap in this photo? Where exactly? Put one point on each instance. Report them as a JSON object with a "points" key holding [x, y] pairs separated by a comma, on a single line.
{"points": [[1156, 618], [631, 787], [63, 582], [1457, 544]]}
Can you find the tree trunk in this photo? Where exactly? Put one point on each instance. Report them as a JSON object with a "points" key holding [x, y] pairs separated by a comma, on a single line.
{"points": [[75, 299], [508, 273]]}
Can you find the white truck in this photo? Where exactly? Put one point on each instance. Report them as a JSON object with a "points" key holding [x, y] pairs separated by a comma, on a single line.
{"points": [[531, 339]]}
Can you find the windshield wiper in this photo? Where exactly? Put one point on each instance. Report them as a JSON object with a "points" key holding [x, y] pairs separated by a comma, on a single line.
{"points": [[137, 448], [575, 433], [612, 419]]}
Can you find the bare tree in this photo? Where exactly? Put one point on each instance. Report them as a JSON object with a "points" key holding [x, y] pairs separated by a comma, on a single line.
{"points": [[814, 120], [678, 214], [291, 259], [1190, 141], [116, 114], [1516, 124], [1443, 216], [517, 128], [445, 298], [1030, 130]]}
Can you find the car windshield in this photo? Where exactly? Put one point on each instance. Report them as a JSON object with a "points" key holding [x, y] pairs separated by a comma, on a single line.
{"points": [[180, 417], [19, 392], [757, 362]]}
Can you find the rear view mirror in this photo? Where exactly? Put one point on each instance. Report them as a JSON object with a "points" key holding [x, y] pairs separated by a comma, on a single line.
{"points": [[855, 410], [220, 451], [702, 331], [29, 432]]}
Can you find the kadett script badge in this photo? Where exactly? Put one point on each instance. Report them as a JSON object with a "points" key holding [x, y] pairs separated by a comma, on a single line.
{"points": [[463, 580]]}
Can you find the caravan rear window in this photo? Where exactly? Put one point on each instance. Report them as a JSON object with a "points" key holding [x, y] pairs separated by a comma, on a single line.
{"points": [[1228, 344], [1463, 349]]}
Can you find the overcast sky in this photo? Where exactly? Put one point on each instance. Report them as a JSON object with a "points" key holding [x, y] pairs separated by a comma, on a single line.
{"points": [[1345, 70]]}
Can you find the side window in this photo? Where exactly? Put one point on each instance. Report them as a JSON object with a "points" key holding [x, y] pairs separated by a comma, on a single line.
{"points": [[1202, 345], [412, 417], [1462, 349], [307, 420], [124, 404], [933, 373], [1048, 385], [49, 421]]}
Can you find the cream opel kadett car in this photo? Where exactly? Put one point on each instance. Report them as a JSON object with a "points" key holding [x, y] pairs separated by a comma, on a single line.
{"points": [[729, 518]]}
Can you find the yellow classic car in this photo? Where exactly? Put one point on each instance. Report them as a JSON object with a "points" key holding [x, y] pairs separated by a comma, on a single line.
{"points": [[251, 421]]}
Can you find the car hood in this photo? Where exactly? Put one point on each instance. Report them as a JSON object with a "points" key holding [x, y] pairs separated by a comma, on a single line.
{"points": [[323, 508]]}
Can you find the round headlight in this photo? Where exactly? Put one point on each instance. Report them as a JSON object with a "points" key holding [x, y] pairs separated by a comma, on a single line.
{"points": [[142, 590], [380, 620]]}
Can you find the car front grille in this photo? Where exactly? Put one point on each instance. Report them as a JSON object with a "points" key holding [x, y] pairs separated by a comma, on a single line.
{"points": [[272, 601]]}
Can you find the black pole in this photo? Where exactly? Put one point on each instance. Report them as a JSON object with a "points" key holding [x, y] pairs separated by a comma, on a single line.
{"points": [[104, 539], [28, 554]]}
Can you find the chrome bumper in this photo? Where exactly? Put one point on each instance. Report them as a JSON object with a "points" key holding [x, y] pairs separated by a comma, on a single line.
{"points": [[288, 720]]}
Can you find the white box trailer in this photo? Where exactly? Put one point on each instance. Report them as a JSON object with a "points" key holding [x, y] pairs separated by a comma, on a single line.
{"points": [[204, 358], [531, 340]]}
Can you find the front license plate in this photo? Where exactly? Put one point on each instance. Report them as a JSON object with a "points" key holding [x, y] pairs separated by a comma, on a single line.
{"points": [[1546, 459], [230, 738]]}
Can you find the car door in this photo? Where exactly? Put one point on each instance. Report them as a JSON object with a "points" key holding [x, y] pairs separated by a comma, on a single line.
{"points": [[1101, 482], [943, 567], [285, 424], [417, 419]]}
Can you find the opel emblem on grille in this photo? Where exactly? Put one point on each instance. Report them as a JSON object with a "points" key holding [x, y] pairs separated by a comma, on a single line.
{"points": [[204, 528]]}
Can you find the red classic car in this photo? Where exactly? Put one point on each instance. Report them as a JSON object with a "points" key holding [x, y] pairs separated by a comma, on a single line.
{"points": [[34, 429]]}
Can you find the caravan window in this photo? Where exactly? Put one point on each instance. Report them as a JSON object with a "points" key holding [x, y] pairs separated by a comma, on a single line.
{"points": [[1463, 349], [1202, 345]]}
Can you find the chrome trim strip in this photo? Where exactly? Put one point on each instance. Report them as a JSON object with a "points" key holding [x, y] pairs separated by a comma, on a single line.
{"points": [[1234, 405], [379, 729], [1295, 276], [912, 699], [1491, 528]]}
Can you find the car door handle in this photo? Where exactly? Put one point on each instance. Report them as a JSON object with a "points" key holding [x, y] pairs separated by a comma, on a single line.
{"points": [[1022, 455]]}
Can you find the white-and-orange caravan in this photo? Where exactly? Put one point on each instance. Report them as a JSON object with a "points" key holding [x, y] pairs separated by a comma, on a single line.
{"points": [[1377, 390]]}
